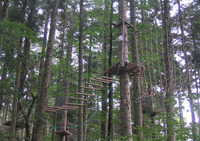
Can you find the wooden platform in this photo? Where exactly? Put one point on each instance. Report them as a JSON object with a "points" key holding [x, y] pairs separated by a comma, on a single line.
{"points": [[131, 68], [63, 132]]}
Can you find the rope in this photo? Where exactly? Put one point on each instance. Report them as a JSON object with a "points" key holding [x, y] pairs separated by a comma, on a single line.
{"points": [[46, 122]]}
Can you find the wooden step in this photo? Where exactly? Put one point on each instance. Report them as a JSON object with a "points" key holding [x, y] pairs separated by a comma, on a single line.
{"points": [[66, 106], [56, 108], [81, 99], [110, 78], [75, 104], [106, 80], [84, 94], [102, 81]]}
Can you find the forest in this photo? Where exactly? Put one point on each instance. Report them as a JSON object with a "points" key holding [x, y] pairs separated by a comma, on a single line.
{"points": [[99, 70]]}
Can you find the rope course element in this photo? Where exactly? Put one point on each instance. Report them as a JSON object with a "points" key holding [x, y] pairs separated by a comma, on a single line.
{"points": [[151, 50], [54, 109]]}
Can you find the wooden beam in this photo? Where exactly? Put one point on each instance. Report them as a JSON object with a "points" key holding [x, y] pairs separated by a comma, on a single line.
{"points": [[90, 88], [100, 81], [106, 80], [78, 98], [51, 107], [66, 106], [110, 78], [84, 94], [126, 22], [75, 104], [56, 108], [94, 84]]}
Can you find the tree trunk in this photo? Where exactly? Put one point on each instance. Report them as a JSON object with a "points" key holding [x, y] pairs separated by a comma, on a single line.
{"points": [[65, 98], [44, 40], [104, 120], [168, 68], [197, 87], [4, 12], [55, 120], [189, 83], [138, 123], [80, 73], [110, 115], [17, 78], [15, 97], [125, 102], [42, 100], [5, 113], [27, 44]]}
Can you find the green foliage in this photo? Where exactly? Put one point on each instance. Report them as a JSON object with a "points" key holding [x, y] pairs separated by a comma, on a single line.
{"points": [[11, 32]]}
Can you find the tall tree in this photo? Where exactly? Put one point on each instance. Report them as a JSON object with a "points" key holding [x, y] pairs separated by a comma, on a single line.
{"points": [[104, 90], [188, 72], [27, 44], [42, 100], [110, 114], [80, 72], [167, 44], [136, 80], [125, 102]]}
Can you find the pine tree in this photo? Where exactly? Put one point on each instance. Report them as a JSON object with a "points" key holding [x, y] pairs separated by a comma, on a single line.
{"points": [[42, 99]]}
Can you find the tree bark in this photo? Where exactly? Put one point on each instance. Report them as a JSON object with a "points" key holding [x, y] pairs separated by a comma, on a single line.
{"points": [[125, 102], [65, 98], [168, 68], [189, 83], [110, 115], [80, 73], [18, 77], [4, 12], [27, 44], [15, 97], [42, 100], [104, 120], [138, 123]]}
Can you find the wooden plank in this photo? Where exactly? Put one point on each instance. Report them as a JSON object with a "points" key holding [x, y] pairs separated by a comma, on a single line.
{"points": [[126, 22], [106, 80], [51, 107], [84, 94], [100, 81], [78, 98], [110, 78], [94, 84], [90, 88], [64, 108], [59, 108], [73, 107], [75, 104]]}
